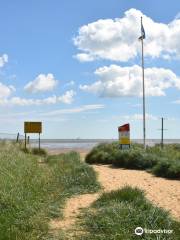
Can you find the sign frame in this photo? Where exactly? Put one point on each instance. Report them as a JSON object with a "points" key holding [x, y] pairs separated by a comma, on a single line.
{"points": [[124, 136], [32, 127]]}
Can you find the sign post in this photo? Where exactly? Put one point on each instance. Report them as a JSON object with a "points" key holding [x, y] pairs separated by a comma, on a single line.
{"points": [[32, 127], [124, 136], [25, 140], [39, 142]]}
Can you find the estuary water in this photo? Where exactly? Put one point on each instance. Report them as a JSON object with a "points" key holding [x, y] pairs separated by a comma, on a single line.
{"points": [[90, 143]]}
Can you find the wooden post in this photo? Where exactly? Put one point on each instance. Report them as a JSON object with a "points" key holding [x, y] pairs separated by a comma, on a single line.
{"points": [[28, 139], [25, 140], [39, 142], [17, 139]]}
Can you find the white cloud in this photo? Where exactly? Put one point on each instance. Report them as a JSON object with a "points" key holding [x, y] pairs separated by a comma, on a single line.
{"points": [[5, 91], [117, 81], [177, 15], [3, 60], [66, 98], [138, 117], [41, 83], [84, 57], [83, 108], [117, 39]]}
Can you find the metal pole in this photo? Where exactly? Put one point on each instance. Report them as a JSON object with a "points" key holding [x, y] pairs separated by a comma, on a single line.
{"points": [[162, 133], [144, 112]]}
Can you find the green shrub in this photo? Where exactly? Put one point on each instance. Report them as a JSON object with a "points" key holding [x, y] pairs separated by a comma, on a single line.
{"points": [[98, 157], [115, 215], [173, 146], [137, 146], [162, 162], [102, 154], [134, 159], [167, 168]]}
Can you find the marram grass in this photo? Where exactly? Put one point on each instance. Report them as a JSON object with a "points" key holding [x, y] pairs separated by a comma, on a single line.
{"points": [[31, 193]]}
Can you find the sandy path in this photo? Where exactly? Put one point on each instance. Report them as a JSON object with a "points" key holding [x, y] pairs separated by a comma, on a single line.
{"points": [[162, 192], [72, 209], [83, 152]]}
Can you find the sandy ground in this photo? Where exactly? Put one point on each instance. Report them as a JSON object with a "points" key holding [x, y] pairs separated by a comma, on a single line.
{"points": [[162, 192], [72, 209], [83, 152]]}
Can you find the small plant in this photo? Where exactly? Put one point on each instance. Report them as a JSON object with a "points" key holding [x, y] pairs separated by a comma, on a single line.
{"points": [[37, 151]]}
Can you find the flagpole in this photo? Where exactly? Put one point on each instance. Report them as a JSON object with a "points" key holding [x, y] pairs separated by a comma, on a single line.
{"points": [[144, 110]]}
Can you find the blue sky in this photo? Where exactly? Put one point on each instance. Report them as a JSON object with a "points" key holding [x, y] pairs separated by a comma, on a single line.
{"points": [[75, 66]]}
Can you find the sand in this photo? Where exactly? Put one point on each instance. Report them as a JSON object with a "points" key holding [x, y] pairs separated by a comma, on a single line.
{"points": [[161, 192], [83, 152]]}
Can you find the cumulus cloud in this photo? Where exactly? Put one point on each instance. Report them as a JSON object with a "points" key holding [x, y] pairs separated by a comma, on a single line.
{"points": [[42, 83], [117, 39], [117, 81], [84, 57], [3, 60], [66, 98], [5, 91]]}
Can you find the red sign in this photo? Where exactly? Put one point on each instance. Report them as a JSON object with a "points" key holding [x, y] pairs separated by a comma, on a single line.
{"points": [[124, 128]]}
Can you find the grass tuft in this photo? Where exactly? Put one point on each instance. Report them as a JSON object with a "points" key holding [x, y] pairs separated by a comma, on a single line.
{"points": [[115, 215]]}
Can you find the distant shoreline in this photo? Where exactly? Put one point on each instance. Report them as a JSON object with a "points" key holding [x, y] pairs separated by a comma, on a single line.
{"points": [[88, 144], [85, 145]]}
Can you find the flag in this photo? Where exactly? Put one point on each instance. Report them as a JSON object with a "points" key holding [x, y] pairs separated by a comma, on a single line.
{"points": [[142, 32]]}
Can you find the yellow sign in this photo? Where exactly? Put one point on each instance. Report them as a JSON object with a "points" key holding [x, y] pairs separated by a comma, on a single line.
{"points": [[125, 141], [32, 127], [124, 134]]}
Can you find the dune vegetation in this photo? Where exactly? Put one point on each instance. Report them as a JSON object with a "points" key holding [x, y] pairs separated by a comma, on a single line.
{"points": [[161, 162], [35, 186], [33, 189], [116, 215]]}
